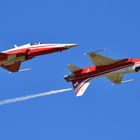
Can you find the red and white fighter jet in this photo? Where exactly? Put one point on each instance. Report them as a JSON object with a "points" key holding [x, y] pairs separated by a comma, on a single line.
{"points": [[112, 69], [12, 59]]}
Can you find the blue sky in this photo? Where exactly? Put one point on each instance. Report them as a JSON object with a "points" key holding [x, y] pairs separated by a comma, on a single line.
{"points": [[105, 111]]}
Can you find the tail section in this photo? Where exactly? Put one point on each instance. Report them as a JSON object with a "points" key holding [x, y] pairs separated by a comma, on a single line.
{"points": [[13, 67], [80, 86]]}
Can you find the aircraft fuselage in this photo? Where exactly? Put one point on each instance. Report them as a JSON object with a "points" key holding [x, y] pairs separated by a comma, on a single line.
{"points": [[123, 66], [29, 51]]}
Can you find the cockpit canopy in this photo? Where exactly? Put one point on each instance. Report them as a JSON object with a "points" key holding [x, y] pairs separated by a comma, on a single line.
{"points": [[35, 43]]}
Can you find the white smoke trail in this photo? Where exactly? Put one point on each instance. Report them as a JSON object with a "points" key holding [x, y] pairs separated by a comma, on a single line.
{"points": [[28, 97]]}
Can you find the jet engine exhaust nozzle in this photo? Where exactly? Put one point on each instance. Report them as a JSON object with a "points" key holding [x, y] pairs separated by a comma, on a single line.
{"points": [[137, 69]]}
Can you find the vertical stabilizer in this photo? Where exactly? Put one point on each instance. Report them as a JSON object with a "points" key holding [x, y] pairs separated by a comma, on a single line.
{"points": [[80, 86]]}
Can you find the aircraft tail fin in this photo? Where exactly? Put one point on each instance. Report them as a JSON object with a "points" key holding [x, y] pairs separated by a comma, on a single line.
{"points": [[73, 68], [80, 86], [13, 67]]}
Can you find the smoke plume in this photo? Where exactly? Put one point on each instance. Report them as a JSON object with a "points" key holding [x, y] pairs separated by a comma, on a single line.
{"points": [[28, 97]]}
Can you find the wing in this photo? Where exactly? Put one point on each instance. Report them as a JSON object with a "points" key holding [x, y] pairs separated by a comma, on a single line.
{"points": [[115, 78], [100, 60], [13, 67], [80, 86]]}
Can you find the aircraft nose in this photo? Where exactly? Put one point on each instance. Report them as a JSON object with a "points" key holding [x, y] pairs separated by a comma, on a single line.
{"points": [[71, 45]]}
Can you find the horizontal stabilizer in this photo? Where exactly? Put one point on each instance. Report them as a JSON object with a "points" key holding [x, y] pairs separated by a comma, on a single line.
{"points": [[80, 86], [73, 68], [13, 67]]}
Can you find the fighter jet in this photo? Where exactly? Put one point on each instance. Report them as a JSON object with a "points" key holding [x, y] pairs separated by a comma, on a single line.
{"points": [[12, 59], [110, 68]]}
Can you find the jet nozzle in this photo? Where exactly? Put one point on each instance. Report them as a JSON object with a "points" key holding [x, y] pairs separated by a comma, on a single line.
{"points": [[68, 78]]}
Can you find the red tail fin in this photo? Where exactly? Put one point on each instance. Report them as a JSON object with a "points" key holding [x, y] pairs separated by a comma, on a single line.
{"points": [[13, 67], [80, 86]]}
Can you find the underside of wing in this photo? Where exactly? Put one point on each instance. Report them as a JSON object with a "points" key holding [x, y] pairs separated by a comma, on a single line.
{"points": [[115, 78], [100, 60], [13, 67]]}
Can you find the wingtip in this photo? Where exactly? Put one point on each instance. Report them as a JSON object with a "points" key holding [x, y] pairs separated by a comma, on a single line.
{"points": [[94, 52]]}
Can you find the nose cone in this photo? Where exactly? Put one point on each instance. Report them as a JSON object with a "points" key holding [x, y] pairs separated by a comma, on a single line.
{"points": [[71, 45]]}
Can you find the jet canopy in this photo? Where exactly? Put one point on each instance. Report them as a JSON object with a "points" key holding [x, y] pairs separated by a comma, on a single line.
{"points": [[35, 43]]}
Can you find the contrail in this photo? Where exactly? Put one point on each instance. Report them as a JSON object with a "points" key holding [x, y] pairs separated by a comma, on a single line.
{"points": [[28, 97]]}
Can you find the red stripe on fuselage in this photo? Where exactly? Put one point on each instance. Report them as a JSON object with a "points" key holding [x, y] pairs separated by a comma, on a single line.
{"points": [[30, 52], [35, 51]]}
